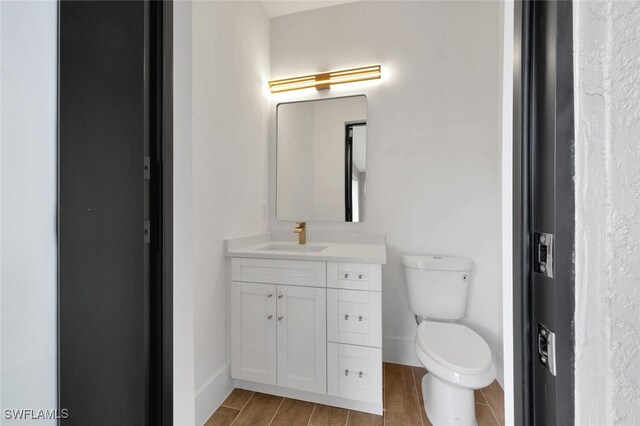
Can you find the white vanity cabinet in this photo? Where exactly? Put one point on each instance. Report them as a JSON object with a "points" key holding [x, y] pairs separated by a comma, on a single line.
{"points": [[310, 330]]}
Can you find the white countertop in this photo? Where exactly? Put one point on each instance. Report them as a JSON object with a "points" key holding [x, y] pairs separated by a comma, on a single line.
{"points": [[334, 252]]}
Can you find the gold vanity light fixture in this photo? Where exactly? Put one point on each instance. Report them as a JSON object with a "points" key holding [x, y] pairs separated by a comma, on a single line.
{"points": [[325, 80]]}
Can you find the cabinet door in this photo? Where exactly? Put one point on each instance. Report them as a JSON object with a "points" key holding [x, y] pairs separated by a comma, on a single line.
{"points": [[253, 332], [302, 338]]}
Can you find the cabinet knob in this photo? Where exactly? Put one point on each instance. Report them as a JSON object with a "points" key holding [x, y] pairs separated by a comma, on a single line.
{"points": [[346, 275], [360, 276], [280, 318], [346, 317], [269, 294], [346, 372], [280, 296], [360, 374], [360, 318], [270, 316]]}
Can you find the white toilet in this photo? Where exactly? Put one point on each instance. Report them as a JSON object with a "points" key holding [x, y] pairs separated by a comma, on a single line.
{"points": [[457, 359]]}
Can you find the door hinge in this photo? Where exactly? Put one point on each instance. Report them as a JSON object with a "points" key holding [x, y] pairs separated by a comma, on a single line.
{"points": [[543, 253], [547, 348], [147, 168], [147, 231]]}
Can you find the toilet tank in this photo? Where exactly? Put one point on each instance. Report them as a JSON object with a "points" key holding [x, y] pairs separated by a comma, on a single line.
{"points": [[437, 286]]}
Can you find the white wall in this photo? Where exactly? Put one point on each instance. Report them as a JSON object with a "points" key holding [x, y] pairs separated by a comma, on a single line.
{"points": [[230, 59], [507, 211], [183, 295], [433, 138], [28, 306], [607, 318]]}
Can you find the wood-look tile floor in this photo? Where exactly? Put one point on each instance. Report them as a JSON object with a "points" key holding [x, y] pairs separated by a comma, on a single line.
{"points": [[403, 406]]}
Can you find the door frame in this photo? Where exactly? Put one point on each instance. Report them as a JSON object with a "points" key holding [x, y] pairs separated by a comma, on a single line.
{"points": [[160, 89], [523, 328], [158, 57], [521, 359], [165, 24]]}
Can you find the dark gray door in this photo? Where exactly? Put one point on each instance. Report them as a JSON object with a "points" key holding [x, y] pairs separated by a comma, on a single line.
{"points": [[104, 306], [549, 225]]}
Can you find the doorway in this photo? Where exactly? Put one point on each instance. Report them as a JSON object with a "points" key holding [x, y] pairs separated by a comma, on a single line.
{"points": [[355, 171], [114, 213]]}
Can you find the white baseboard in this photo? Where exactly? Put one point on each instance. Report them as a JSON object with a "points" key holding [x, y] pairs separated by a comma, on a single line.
{"points": [[399, 350], [212, 394], [499, 363]]}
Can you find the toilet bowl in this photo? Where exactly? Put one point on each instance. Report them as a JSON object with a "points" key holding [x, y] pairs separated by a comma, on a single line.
{"points": [[457, 359]]}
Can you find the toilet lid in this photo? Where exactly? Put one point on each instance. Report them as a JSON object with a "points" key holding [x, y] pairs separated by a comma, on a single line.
{"points": [[455, 346]]}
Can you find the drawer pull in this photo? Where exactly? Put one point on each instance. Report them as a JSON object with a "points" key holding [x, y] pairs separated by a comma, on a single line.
{"points": [[349, 275], [269, 317], [280, 318], [269, 295], [360, 317], [360, 373], [280, 296]]}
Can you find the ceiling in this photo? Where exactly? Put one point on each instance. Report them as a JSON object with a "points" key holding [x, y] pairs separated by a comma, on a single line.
{"points": [[279, 8]]}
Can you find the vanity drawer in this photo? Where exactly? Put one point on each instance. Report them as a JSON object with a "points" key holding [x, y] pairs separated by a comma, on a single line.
{"points": [[354, 317], [354, 372], [276, 271], [354, 276]]}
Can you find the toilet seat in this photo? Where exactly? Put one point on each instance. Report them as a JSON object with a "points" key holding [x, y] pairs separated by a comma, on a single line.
{"points": [[455, 347]]}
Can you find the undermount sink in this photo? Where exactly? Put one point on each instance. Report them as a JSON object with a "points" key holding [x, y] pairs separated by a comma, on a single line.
{"points": [[294, 248]]}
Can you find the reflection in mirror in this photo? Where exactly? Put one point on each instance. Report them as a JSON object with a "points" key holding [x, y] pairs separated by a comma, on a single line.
{"points": [[321, 160], [355, 171]]}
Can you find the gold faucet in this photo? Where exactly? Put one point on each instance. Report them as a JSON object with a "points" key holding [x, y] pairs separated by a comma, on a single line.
{"points": [[301, 230]]}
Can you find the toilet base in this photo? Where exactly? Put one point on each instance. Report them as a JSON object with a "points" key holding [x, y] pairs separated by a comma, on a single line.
{"points": [[447, 404]]}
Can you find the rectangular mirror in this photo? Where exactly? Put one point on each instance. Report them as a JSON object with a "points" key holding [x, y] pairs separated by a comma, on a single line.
{"points": [[322, 160]]}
